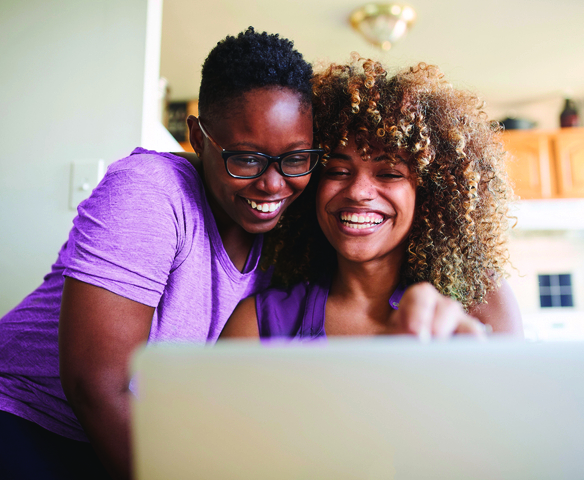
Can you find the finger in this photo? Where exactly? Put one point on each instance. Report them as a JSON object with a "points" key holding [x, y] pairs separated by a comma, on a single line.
{"points": [[471, 326], [447, 317], [416, 310]]}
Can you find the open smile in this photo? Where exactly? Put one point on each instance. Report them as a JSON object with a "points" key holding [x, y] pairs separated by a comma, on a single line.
{"points": [[359, 223], [265, 207], [360, 220]]}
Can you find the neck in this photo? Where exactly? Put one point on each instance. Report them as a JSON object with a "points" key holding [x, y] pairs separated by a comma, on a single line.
{"points": [[358, 302], [370, 281], [237, 243]]}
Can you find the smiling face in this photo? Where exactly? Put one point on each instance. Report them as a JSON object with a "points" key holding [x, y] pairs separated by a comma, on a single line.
{"points": [[267, 120], [366, 208]]}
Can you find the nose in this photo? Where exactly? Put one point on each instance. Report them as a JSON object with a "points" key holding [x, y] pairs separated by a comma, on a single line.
{"points": [[361, 188], [271, 181]]}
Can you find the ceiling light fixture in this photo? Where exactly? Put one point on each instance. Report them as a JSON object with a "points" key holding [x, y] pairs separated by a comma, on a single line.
{"points": [[382, 24]]}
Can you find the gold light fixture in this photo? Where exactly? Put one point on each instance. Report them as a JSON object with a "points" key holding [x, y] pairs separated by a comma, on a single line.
{"points": [[382, 24]]}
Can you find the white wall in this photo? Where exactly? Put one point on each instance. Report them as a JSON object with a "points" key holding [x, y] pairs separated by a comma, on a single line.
{"points": [[71, 88], [550, 253]]}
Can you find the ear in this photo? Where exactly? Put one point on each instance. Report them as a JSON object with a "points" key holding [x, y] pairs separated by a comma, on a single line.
{"points": [[196, 137]]}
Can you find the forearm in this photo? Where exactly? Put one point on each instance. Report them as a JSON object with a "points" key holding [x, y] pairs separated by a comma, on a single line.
{"points": [[105, 417], [98, 331]]}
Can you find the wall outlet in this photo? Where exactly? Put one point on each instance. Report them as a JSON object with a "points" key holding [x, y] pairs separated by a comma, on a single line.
{"points": [[85, 175]]}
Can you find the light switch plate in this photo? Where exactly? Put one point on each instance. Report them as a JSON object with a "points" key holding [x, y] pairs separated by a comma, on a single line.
{"points": [[85, 175]]}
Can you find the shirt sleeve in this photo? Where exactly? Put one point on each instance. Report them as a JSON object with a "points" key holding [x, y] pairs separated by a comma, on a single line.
{"points": [[126, 237]]}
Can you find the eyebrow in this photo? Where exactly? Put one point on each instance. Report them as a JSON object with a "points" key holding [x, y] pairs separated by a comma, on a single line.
{"points": [[340, 156], [386, 156], [380, 158], [242, 146]]}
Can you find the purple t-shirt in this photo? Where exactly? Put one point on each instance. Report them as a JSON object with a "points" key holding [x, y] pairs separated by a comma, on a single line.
{"points": [[146, 233], [298, 312]]}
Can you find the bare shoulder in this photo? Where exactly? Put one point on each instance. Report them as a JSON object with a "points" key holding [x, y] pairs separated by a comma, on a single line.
{"points": [[243, 322], [501, 311]]}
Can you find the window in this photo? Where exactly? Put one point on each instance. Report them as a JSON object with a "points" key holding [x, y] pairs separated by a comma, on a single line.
{"points": [[555, 290]]}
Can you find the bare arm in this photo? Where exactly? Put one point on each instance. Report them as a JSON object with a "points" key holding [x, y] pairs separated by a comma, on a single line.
{"points": [[243, 322], [98, 331], [501, 311]]}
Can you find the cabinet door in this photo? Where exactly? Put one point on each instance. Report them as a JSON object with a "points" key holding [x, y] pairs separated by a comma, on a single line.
{"points": [[529, 164], [569, 156]]}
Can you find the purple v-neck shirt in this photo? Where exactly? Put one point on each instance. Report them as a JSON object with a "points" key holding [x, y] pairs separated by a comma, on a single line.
{"points": [[146, 233], [298, 312]]}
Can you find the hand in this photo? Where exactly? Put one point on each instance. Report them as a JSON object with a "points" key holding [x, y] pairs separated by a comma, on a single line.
{"points": [[424, 312]]}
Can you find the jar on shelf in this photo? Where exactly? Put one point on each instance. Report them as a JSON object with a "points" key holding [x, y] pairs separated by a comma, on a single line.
{"points": [[569, 116]]}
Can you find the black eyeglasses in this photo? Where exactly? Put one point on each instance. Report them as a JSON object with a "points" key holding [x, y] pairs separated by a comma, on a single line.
{"points": [[241, 164]]}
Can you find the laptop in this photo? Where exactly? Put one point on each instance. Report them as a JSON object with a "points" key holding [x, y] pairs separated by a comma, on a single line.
{"points": [[369, 409]]}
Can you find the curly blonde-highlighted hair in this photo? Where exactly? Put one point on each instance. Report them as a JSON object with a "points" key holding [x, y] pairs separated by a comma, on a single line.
{"points": [[458, 237]]}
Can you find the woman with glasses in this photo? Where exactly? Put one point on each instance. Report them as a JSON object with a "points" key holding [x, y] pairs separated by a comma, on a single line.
{"points": [[412, 189], [164, 249]]}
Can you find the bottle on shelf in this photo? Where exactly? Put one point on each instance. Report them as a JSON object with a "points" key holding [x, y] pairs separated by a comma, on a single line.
{"points": [[569, 116]]}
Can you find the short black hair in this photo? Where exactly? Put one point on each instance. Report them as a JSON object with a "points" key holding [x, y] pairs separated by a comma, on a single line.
{"points": [[249, 61]]}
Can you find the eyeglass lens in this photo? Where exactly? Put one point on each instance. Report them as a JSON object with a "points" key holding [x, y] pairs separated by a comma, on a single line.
{"points": [[249, 165]]}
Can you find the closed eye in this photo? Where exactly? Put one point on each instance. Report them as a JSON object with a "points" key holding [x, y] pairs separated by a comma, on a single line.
{"points": [[336, 173], [391, 175], [245, 160], [300, 158]]}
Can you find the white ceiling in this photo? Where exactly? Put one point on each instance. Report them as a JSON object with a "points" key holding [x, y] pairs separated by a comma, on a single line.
{"points": [[514, 51]]}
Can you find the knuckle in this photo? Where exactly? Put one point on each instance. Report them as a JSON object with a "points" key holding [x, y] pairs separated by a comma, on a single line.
{"points": [[422, 291]]}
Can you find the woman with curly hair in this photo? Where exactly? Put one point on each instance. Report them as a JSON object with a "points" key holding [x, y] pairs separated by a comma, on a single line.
{"points": [[412, 189]]}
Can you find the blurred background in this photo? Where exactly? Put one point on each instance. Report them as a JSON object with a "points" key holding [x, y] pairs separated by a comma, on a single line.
{"points": [[82, 83]]}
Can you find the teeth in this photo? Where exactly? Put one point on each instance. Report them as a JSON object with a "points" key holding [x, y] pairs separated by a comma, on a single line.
{"points": [[264, 207], [360, 221], [359, 226]]}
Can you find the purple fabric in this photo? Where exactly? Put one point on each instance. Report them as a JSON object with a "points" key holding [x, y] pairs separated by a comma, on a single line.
{"points": [[298, 312], [147, 234]]}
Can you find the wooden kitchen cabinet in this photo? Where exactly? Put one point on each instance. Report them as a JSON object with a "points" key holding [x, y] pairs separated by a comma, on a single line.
{"points": [[546, 164], [568, 150], [529, 165]]}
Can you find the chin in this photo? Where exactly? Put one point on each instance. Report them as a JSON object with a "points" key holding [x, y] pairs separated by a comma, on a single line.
{"points": [[262, 227], [356, 256], [359, 259]]}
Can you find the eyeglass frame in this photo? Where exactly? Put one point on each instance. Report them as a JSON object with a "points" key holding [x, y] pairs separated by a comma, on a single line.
{"points": [[225, 154]]}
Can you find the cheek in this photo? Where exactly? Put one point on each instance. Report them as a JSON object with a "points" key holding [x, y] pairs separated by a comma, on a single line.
{"points": [[320, 200], [297, 185], [215, 174], [325, 191], [320, 213], [324, 194], [410, 202], [228, 188]]}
